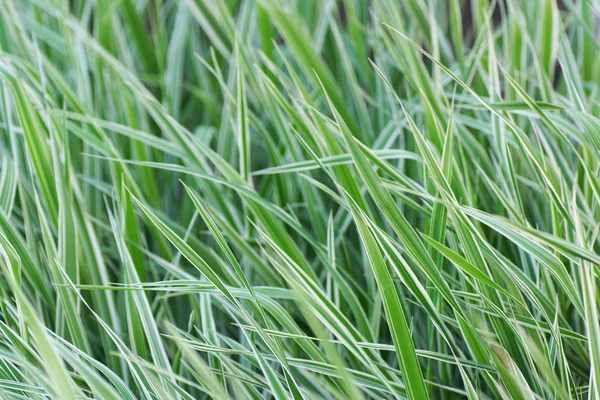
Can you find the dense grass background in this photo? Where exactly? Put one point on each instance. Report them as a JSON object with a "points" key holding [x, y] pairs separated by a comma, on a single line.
{"points": [[311, 199]]}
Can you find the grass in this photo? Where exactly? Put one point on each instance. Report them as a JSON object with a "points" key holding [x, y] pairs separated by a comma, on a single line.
{"points": [[319, 199]]}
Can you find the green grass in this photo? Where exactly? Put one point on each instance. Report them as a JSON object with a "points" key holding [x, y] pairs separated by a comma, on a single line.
{"points": [[310, 199]]}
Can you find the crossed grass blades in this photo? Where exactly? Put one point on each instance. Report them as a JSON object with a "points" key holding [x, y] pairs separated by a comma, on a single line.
{"points": [[319, 199]]}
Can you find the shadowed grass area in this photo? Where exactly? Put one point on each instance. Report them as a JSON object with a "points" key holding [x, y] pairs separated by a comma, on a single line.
{"points": [[310, 199]]}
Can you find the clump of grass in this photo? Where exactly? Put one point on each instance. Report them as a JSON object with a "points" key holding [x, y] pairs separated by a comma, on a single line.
{"points": [[319, 199]]}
